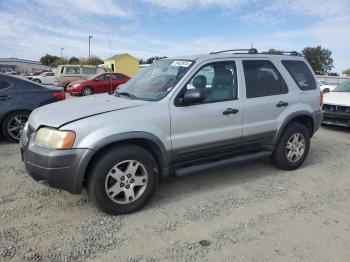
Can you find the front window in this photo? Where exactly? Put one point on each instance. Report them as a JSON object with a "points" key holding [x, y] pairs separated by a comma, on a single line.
{"points": [[344, 87], [156, 81]]}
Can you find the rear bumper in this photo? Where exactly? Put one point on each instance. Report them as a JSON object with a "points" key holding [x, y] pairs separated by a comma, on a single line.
{"points": [[318, 118], [335, 118], [62, 169]]}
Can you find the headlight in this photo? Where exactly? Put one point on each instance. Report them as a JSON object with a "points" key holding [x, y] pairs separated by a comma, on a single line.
{"points": [[54, 139]]}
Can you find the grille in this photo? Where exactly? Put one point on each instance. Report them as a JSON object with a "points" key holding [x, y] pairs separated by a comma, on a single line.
{"points": [[336, 109]]}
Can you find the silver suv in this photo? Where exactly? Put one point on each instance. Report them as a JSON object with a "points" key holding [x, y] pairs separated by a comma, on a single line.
{"points": [[180, 112]]}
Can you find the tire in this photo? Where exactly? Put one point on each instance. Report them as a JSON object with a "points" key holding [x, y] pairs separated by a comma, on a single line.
{"points": [[13, 125], [109, 175], [294, 136], [87, 91], [37, 80]]}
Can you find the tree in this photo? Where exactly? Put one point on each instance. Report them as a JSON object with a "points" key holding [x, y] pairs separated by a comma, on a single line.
{"points": [[274, 51], [73, 60], [319, 58], [48, 60], [94, 60], [346, 72]]}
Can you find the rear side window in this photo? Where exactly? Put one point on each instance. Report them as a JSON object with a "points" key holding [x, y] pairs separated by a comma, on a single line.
{"points": [[262, 79], [89, 71], [301, 74], [4, 85], [72, 70], [117, 77]]}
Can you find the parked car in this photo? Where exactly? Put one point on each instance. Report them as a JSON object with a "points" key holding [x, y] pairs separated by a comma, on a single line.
{"points": [[46, 78], [224, 106], [103, 83], [19, 97], [325, 87], [337, 106], [66, 74]]}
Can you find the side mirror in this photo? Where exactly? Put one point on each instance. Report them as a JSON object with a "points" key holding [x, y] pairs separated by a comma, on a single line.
{"points": [[192, 97], [326, 90]]}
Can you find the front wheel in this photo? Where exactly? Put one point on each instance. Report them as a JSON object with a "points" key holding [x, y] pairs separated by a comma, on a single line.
{"points": [[87, 91], [123, 179], [292, 147], [37, 81]]}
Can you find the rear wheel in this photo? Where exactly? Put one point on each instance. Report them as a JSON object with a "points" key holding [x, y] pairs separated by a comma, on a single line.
{"points": [[292, 148], [13, 124], [123, 179], [87, 91]]}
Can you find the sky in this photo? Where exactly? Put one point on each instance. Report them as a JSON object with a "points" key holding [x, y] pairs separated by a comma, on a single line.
{"points": [[31, 28]]}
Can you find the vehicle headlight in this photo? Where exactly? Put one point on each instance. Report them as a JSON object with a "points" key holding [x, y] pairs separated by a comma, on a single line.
{"points": [[54, 139]]}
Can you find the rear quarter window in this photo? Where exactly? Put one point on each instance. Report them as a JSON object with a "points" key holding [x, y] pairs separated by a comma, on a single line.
{"points": [[5, 85], [301, 74], [72, 70]]}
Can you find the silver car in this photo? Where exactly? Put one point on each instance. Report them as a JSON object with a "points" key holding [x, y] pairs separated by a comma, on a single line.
{"points": [[178, 113]]}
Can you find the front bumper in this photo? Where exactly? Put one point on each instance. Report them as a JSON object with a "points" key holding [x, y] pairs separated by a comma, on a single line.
{"points": [[336, 118], [62, 169]]}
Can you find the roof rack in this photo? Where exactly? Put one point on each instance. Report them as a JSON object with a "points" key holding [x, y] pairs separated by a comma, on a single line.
{"points": [[255, 51], [249, 51], [292, 53]]}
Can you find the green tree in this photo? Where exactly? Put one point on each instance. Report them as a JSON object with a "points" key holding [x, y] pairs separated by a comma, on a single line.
{"points": [[48, 60], [346, 72], [274, 51], [73, 60], [94, 60], [319, 58]]}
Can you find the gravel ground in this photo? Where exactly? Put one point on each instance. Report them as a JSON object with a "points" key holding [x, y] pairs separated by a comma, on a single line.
{"points": [[243, 212]]}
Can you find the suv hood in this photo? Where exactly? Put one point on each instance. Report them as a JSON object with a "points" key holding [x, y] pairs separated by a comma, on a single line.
{"points": [[60, 113], [337, 98]]}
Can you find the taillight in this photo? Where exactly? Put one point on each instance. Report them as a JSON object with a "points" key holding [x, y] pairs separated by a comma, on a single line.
{"points": [[59, 95], [321, 99]]}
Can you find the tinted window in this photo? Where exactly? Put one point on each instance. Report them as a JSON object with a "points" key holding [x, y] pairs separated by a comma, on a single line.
{"points": [[89, 70], [301, 74], [73, 70], [104, 77], [117, 77], [218, 81], [4, 84], [262, 79]]}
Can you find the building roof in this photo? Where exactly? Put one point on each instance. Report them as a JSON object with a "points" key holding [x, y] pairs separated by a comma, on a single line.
{"points": [[119, 56], [9, 60]]}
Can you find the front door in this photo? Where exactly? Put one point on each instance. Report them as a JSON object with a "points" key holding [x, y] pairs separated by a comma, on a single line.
{"points": [[214, 126]]}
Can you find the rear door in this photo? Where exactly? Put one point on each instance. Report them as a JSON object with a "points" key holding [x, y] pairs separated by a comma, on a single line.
{"points": [[117, 79], [8, 96], [266, 98]]}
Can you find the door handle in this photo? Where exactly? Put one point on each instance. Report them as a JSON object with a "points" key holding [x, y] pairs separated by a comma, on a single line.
{"points": [[4, 97], [282, 104], [230, 111]]}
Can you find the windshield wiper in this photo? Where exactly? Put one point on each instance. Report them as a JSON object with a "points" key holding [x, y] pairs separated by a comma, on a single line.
{"points": [[125, 94]]}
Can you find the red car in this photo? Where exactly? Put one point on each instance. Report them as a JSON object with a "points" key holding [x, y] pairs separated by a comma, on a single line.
{"points": [[103, 83]]}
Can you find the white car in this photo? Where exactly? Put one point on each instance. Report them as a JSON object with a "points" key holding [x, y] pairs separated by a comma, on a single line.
{"points": [[325, 87], [46, 78], [336, 105]]}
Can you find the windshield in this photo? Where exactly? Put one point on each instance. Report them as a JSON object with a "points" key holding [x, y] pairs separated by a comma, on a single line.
{"points": [[344, 87], [156, 81]]}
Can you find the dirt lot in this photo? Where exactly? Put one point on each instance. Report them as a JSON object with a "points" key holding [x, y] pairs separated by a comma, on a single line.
{"points": [[245, 212]]}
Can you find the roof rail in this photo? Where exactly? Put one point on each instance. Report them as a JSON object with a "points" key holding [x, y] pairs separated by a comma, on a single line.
{"points": [[249, 51], [292, 53]]}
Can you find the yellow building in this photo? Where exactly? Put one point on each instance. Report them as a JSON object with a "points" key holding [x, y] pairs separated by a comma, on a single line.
{"points": [[123, 63]]}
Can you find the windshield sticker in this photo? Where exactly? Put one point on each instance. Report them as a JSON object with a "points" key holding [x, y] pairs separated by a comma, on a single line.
{"points": [[182, 63]]}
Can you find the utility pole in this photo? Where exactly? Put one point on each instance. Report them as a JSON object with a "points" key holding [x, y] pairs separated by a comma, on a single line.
{"points": [[90, 36], [62, 48]]}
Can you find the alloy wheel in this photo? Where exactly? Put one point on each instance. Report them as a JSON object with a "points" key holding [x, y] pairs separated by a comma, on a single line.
{"points": [[295, 147], [16, 125], [126, 182]]}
